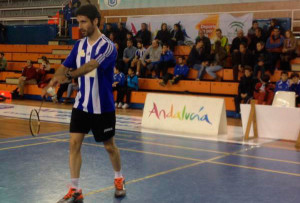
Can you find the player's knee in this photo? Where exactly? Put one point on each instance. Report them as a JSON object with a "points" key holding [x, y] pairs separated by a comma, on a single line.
{"points": [[110, 148], [74, 146]]}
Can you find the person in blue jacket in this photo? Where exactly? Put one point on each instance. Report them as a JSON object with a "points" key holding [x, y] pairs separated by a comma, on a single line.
{"points": [[119, 86], [132, 85], [167, 60], [295, 86], [180, 72], [283, 84]]}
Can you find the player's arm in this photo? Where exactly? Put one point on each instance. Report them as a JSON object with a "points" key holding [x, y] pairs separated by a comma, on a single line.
{"points": [[84, 69]]}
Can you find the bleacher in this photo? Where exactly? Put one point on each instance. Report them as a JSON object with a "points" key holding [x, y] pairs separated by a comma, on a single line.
{"points": [[17, 55]]}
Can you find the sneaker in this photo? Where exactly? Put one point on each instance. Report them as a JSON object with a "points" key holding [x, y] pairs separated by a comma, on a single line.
{"points": [[120, 105], [72, 196], [125, 106], [120, 187]]}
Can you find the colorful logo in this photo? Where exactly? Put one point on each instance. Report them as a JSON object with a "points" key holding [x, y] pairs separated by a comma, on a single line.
{"points": [[112, 3], [163, 114], [209, 26], [236, 25]]}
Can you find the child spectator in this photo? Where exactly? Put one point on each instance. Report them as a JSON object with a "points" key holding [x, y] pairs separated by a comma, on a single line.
{"points": [[137, 61], [288, 51], [3, 62], [219, 59], [245, 90], [151, 59], [283, 84], [132, 84], [119, 85], [180, 72], [264, 91], [295, 86], [128, 55], [167, 59], [262, 59]]}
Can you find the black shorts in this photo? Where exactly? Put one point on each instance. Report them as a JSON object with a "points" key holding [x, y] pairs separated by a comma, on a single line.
{"points": [[102, 125]]}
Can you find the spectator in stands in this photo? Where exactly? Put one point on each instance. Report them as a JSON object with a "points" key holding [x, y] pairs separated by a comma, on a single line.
{"points": [[273, 24], [218, 56], [167, 59], [119, 86], [221, 38], [3, 62], [2, 33], [258, 37], [205, 40], [151, 59], [108, 29], [163, 35], [264, 91], [180, 72], [288, 51], [245, 90], [132, 85], [62, 88], [295, 86], [144, 34], [137, 61], [274, 45], [46, 64], [71, 87], [119, 61], [129, 36], [198, 59], [68, 13], [128, 55], [235, 46], [252, 30], [241, 59], [121, 32], [262, 59], [283, 84], [177, 37], [112, 37], [28, 77]]}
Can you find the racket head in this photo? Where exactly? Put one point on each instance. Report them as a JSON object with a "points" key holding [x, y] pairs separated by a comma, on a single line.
{"points": [[34, 123]]}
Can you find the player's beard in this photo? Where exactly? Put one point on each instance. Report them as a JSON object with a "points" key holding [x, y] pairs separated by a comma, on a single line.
{"points": [[88, 32]]}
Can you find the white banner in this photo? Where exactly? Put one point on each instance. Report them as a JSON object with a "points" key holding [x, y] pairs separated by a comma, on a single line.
{"points": [[185, 114], [192, 23]]}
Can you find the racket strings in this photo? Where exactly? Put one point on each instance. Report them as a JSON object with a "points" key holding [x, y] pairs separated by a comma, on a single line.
{"points": [[34, 122]]}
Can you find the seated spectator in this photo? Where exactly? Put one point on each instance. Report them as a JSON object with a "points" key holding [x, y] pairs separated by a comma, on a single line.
{"points": [[62, 88], [128, 55], [288, 51], [129, 36], [240, 60], [245, 90], [177, 37], [283, 84], [235, 45], [3, 63], [46, 65], [119, 60], [180, 72], [163, 35], [221, 38], [112, 37], [274, 46], [258, 37], [108, 29], [264, 91], [206, 41], [119, 86], [252, 30], [144, 34], [219, 56], [132, 85], [198, 59], [28, 77], [295, 86], [151, 59], [273, 24], [121, 33], [71, 87], [167, 59], [137, 61], [262, 59]]}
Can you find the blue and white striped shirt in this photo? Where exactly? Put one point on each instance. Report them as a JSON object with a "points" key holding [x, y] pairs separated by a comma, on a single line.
{"points": [[140, 52], [95, 88]]}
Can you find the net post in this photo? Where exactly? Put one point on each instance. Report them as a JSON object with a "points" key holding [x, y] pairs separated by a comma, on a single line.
{"points": [[251, 119]]}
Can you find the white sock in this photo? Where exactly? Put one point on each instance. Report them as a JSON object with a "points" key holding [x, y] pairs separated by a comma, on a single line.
{"points": [[118, 174], [75, 183]]}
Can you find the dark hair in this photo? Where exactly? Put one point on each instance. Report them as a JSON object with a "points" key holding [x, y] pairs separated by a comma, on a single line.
{"points": [[181, 57], [295, 75], [248, 68], [261, 42], [129, 33], [90, 11], [166, 45], [259, 29], [132, 68], [218, 30], [117, 68], [129, 40], [1, 53], [139, 41], [284, 73], [265, 78], [244, 44], [163, 25], [254, 21], [178, 26], [44, 58]]}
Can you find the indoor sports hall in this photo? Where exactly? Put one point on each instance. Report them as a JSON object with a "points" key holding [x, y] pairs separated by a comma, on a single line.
{"points": [[204, 96]]}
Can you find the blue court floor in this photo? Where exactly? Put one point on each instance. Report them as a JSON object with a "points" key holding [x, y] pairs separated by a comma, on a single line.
{"points": [[157, 168]]}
